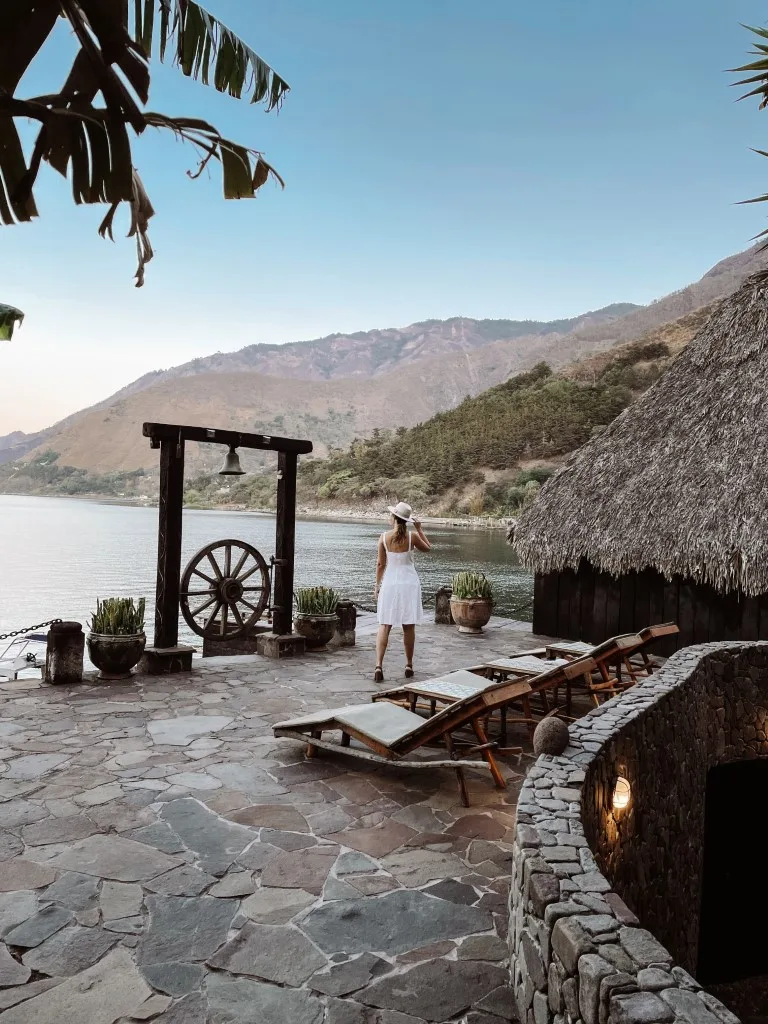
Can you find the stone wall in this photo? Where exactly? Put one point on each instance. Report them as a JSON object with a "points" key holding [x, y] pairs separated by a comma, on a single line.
{"points": [[579, 953]]}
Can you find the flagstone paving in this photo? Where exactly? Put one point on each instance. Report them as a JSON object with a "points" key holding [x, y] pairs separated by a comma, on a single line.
{"points": [[164, 857]]}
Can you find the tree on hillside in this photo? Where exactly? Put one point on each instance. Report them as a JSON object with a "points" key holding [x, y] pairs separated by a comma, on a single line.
{"points": [[9, 317], [87, 128]]}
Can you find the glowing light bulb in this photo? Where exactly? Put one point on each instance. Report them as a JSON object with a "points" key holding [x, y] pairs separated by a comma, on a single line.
{"points": [[622, 791]]}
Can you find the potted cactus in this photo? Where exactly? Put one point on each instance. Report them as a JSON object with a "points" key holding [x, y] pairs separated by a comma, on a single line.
{"points": [[471, 601], [316, 616], [116, 640]]}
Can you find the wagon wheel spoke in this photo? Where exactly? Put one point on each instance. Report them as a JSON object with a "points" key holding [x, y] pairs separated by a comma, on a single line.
{"points": [[249, 573], [197, 593], [240, 563], [202, 607], [248, 590], [207, 579], [248, 604], [211, 618], [236, 612], [214, 566], [223, 627], [227, 560]]}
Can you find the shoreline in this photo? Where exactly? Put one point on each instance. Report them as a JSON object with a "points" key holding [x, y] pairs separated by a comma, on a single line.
{"points": [[302, 512]]}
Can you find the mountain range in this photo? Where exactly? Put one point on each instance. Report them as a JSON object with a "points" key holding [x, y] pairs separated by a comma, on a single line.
{"points": [[343, 386]]}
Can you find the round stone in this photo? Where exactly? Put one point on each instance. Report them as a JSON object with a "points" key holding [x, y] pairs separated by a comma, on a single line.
{"points": [[551, 736]]}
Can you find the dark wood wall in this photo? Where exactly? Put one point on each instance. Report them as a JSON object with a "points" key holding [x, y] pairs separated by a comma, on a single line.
{"points": [[591, 605]]}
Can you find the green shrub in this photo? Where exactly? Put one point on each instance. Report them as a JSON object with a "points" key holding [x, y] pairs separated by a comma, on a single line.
{"points": [[466, 585], [118, 616], [316, 601]]}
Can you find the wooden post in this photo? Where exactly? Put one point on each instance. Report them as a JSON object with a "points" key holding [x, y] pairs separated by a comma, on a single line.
{"points": [[285, 543], [169, 543]]}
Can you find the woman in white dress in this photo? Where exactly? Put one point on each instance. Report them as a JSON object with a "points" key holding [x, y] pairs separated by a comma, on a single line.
{"points": [[398, 588]]}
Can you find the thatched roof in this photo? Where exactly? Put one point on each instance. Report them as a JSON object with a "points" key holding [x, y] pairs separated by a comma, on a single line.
{"points": [[679, 481]]}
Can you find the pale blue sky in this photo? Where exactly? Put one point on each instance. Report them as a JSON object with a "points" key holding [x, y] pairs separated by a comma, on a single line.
{"points": [[490, 159]]}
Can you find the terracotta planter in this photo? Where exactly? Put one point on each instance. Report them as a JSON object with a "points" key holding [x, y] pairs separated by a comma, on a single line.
{"points": [[471, 613], [317, 630], [115, 656]]}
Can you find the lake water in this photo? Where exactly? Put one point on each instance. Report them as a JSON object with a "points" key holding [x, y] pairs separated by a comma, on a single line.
{"points": [[57, 555]]}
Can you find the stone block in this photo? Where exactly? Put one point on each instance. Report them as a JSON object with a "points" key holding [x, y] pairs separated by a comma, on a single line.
{"points": [[592, 970], [643, 947], [571, 998], [688, 1007], [346, 625], [639, 1008], [653, 979], [555, 978], [623, 914], [165, 661], [534, 963], [542, 891], [443, 613], [233, 646], [612, 985], [541, 1014], [570, 941], [64, 653], [286, 645]]}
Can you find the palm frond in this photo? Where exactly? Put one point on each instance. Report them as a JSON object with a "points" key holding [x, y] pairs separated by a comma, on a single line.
{"points": [[205, 50], [9, 317]]}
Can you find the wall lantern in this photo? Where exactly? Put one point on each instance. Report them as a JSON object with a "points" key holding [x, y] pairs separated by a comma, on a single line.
{"points": [[622, 791], [232, 465]]}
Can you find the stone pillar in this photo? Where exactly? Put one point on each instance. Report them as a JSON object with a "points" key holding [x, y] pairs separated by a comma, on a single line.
{"points": [[443, 616], [345, 628], [64, 653]]}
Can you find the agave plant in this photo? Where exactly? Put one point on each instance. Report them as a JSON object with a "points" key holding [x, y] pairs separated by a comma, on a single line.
{"points": [[467, 585], [118, 616], [316, 601], [91, 144], [9, 317]]}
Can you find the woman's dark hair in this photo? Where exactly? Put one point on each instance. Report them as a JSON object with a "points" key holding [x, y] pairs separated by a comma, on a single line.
{"points": [[400, 528]]}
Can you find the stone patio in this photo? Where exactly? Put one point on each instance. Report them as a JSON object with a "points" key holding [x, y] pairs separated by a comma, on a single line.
{"points": [[163, 856]]}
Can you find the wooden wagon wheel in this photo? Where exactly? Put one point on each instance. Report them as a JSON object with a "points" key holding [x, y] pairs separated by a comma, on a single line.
{"points": [[224, 589]]}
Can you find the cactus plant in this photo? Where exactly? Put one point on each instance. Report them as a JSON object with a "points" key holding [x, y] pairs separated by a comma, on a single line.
{"points": [[316, 601], [118, 616], [469, 585]]}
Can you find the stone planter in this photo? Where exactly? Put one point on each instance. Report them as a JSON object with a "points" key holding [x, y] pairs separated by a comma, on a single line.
{"points": [[115, 656], [471, 613], [317, 630]]}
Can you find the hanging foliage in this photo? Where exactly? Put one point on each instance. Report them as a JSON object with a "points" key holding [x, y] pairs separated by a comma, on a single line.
{"points": [[87, 128], [9, 317]]}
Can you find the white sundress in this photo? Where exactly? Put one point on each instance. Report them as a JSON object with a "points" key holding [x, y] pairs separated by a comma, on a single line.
{"points": [[400, 593]]}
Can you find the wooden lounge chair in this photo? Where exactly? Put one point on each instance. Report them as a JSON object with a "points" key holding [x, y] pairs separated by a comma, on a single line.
{"points": [[641, 663], [544, 677], [390, 732]]}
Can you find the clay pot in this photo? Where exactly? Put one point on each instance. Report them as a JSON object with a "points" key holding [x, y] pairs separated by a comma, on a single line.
{"points": [[317, 630], [115, 656], [471, 613]]}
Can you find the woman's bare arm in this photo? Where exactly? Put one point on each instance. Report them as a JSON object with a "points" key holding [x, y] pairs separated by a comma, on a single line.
{"points": [[420, 540], [381, 565]]}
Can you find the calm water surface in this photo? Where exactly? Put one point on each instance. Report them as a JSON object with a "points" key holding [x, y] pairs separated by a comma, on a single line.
{"points": [[57, 555]]}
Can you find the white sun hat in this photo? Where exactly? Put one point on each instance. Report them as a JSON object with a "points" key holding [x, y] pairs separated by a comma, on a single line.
{"points": [[402, 510]]}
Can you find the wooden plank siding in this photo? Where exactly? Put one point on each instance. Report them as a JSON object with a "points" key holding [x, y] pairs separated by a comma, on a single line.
{"points": [[592, 606]]}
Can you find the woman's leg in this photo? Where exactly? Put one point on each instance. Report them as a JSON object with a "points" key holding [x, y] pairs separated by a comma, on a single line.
{"points": [[382, 639], [409, 642]]}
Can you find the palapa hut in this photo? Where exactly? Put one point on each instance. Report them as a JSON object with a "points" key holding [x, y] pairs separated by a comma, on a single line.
{"points": [[663, 516]]}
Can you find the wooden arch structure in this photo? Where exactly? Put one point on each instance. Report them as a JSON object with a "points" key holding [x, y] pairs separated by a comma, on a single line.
{"points": [[166, 655]]}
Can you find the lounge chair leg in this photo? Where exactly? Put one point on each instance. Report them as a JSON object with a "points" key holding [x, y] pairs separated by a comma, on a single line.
{"points": [[312, 750], [482, 736], [345, 739], [503, 727], [463, 794]]}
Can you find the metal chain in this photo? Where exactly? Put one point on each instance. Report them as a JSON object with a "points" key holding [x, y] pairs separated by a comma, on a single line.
{"points": [[27, 629]]}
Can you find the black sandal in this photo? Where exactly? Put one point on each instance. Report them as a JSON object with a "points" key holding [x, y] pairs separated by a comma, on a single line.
{"points": [[378, 675], [409, 671]]}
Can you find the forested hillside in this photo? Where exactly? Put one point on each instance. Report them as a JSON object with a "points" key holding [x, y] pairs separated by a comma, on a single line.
{"points": [[486, 457]]}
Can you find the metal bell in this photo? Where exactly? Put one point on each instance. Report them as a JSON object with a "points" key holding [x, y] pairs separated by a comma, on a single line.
{"points": [[232, 465]]}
